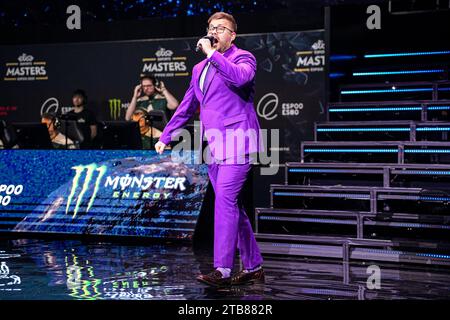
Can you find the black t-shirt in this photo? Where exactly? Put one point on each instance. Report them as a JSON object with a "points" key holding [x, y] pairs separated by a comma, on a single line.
{"points": [[85, 119]]}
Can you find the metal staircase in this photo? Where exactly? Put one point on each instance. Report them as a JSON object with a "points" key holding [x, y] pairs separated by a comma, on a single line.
{"points": [[374, 183]]}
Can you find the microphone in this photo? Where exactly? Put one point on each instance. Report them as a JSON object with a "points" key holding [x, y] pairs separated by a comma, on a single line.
{"points": [[210, 38]]}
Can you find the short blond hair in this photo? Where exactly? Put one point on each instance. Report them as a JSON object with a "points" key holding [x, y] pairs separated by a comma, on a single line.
{"points": [[226, 16]]}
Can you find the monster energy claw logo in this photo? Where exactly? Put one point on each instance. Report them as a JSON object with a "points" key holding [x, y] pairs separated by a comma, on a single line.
{"points": [[90, 169], [114, 108]]}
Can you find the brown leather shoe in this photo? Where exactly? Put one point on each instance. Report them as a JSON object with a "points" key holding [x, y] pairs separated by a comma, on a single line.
{"points": [[214, 279], [248, 277]]}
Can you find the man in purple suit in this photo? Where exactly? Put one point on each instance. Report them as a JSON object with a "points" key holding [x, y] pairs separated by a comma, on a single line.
{"points": [[223, 85]]}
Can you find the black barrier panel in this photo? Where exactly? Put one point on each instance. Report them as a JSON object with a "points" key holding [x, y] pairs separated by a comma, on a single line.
{"points": [[324, 177], [320, 199], [307, 225]]}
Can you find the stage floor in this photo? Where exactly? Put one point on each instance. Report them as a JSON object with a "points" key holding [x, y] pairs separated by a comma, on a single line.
{"points": [[73, 269]]}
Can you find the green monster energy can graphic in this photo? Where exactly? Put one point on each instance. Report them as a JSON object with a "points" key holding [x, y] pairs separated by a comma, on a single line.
{"points": [[90, 170], [114, 108]]}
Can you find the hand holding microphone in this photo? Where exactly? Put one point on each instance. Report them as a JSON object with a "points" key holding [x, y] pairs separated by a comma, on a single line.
{"points": [[205, 44]]}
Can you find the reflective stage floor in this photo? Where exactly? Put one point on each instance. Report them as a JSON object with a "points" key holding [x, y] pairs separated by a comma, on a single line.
{"points": [[73, 269]]}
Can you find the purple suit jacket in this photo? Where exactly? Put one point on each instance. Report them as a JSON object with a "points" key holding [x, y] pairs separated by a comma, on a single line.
{"points": [[226, 105]]}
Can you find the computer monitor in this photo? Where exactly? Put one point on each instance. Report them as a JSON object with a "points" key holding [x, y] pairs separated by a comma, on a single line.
{"points": [[121, 135], [32, 135], [72, 130], [157, 119]]}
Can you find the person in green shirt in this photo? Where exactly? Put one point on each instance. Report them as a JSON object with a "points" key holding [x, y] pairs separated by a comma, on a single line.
{"points": [[150, 95], [149, 135]]}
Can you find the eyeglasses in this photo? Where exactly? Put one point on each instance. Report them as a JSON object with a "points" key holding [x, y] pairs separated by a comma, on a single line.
{"points": [[219, 29]]}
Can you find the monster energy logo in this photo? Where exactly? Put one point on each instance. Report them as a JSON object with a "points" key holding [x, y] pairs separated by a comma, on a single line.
{"points": [[114, 108], [90, 169]]}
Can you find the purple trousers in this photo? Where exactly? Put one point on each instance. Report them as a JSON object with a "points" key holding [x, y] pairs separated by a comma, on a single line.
{"points": [[232, 228]]}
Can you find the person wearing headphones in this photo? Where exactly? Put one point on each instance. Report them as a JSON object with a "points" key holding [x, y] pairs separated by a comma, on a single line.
{"points": [[57, 138], [84, 117], [149, 135], [149, 95]]}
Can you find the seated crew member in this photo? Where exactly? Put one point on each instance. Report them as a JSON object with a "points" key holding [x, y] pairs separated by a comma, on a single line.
{"points": [[57, 138], [151, 95], [149, 135], [85, 117]]}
